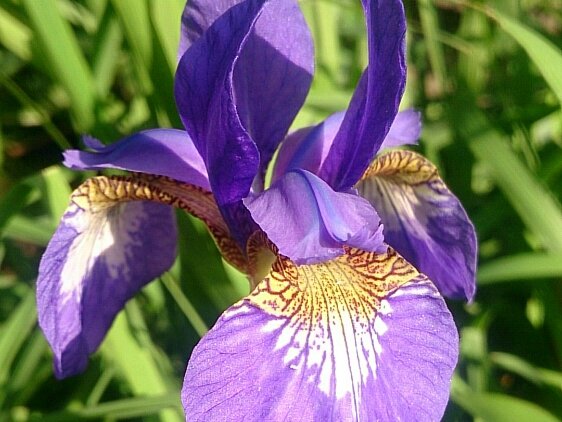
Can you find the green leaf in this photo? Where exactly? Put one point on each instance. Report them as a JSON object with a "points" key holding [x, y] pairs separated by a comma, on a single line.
{"points": [[495, 407], [66, 61], [57, 191], [166, 20], [535, 205], [521, 267], [138, 32], [526, 370], [15, 331], [546, 56], [136, 365]]}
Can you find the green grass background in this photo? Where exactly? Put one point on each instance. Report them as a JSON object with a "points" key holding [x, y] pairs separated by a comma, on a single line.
{"points": [[487, 77]]}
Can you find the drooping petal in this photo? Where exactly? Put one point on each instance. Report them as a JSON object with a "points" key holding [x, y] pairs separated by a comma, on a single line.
{"points": [[375, 102], [363, 337], [273, 73], [95, 262], [423, 220], [309, 222], [405, 130], [117, 235], [164, 152]]}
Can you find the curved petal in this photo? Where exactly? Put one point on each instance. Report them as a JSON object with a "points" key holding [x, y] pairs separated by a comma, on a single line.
{"points": [[117, 235], [164, 152], [96, 261], [375, 102], [308, 148], [364, 337], [273, 73], [309, 222], [405, 130], [423, 220]]}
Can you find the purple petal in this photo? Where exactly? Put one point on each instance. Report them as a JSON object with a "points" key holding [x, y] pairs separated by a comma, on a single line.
{"points": [[273, 73], [405, 130], [364, 337], [98, 258], [307, 148], [309, 222], [423, 220], [375, 102], [163, 152]]}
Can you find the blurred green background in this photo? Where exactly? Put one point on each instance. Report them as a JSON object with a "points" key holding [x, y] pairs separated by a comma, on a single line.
{"points": [[487, 77]]}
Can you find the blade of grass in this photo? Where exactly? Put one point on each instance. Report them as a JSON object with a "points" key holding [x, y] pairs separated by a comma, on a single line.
{"points": [[497, 407], [165, 16], [13, 201], [526, 370], [184, 304], [15, 36], [105, 58], [27, 101], [35, 231], [135, 365], [527, 266], [533, 202], [67, 63], [57, 191], [135, 20], [546, 56], [115, 410], [14, 333], [430, 28]]}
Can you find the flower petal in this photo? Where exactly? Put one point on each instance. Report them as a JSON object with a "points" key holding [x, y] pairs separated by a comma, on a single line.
{"points": [[364, 337], [423, 220], [273, 73], [307, 148], [111, 241], [309, 222], [95, 262], [405, 129], [164, 152], [375, 102]]}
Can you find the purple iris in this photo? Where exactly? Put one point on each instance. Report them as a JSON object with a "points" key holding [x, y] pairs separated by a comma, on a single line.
{"points": [[342, 323]]}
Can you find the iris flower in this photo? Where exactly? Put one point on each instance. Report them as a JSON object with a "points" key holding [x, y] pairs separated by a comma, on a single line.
{"points": [[348, 251]]}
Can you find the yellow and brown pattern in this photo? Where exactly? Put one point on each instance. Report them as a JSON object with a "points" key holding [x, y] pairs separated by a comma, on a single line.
{"points": [[403, 166], [352, 285], [100, 193]]}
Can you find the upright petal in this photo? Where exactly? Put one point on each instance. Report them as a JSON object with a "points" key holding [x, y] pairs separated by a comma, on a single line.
{"points": [[405, 130], [308, 148], [273, 73], [423, 220], [375, 102], [117, 235], [164, 152], [309, 222], [363, 337]]}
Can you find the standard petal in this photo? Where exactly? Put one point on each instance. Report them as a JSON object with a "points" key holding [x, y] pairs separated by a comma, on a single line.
{"points": [[309, 222], [164, 152], [307, 148], [95, 262], [364, 337], [405, 130], [375, 102], [273, 73], [423, 220]]}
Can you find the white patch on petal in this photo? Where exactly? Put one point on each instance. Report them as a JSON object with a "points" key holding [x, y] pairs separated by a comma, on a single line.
{"points": [[101, 235]]}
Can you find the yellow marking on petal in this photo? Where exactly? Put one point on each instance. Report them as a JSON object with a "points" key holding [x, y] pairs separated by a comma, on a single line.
{"points": [[330, 316], [100, 193], [404, 166]]}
